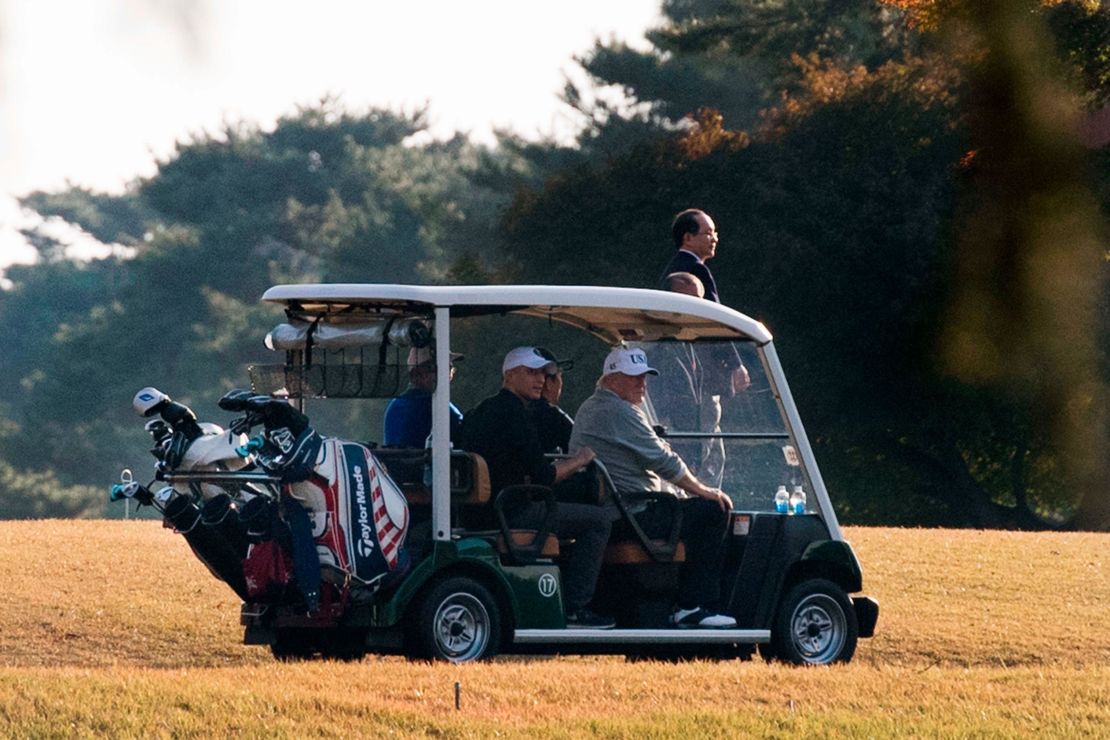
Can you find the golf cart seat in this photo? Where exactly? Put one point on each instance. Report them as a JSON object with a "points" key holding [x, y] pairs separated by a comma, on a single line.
{"points": [[470, 501], [525, 538], [524, 546], [641, 549], [634, 553], [406, 466]]}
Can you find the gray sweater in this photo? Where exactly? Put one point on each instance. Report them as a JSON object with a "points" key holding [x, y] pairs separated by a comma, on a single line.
{"points": [[620, 435]]}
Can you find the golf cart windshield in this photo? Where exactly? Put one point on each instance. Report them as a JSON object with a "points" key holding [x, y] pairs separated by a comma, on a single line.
{"points": [[714, 404]]}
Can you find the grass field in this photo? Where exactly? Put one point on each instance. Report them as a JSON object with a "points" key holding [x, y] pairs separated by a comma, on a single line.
{"points": [[114, 629]]}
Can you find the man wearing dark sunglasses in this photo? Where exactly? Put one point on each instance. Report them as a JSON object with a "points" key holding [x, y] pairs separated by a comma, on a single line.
{"points": [[553, 424]]}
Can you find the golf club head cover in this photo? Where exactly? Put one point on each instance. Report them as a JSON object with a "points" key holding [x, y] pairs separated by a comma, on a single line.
{"points": [[275, 412], [149, 401], [175, 450], [240, 400], [291, 444], [296, 454]]}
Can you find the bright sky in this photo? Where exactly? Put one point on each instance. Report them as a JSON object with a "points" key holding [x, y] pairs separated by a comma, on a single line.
{"points": [[93, 91]]}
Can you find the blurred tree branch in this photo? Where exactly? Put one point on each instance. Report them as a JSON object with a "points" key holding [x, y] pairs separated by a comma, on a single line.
{"points": [[1031, 271]]}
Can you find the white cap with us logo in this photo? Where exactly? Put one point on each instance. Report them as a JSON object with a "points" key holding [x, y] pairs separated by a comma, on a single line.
{"points": [[628, 361]]}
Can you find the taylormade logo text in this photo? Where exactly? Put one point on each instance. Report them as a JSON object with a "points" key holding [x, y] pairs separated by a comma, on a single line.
{"points": [[366, 532]]}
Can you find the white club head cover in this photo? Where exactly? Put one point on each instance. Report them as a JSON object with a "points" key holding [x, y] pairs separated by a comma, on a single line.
{"points": [[147, 399]]}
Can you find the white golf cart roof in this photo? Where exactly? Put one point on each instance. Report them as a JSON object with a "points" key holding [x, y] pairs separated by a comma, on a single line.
{"points": [[613, 314]]}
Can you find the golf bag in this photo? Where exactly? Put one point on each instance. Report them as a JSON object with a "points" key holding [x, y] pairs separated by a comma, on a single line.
{"points": [[279, 516], [346, 517]]}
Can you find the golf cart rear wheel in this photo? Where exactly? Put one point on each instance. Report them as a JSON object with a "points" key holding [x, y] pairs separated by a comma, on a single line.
{"points": [[343, 644], [457, 621], [291, 644], [815, 625]]}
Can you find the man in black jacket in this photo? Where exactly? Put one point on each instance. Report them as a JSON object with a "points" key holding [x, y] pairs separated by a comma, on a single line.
{"points": [[695, 238], [501, 429]]}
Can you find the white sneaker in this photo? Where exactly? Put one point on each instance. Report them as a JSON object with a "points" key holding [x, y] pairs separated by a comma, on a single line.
{"points": [[698, 618]]}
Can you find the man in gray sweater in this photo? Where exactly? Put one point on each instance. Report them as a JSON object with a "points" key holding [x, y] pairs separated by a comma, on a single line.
{"points": [[611, 423]]}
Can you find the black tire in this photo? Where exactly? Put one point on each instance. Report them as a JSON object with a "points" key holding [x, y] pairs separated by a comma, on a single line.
{"points": [[457, 620], [347, 645], [815, 625], [292, 644]]}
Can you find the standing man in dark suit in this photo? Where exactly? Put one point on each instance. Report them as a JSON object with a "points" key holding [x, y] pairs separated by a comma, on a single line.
{"points": [[695, 238]]}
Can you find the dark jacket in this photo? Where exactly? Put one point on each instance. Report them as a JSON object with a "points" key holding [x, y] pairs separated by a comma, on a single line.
{"points": [[501, 430], [552, 424], [688, 262]]}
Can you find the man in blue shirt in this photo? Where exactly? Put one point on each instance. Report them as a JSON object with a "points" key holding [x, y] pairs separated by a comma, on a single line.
{"points": [[408, 417]]}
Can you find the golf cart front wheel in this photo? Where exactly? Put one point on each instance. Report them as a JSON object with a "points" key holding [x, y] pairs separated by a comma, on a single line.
{"points": [[815, 625], [458, 621]]}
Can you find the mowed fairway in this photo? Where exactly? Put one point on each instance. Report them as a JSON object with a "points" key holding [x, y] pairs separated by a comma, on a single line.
{"points": [[114, 629]]}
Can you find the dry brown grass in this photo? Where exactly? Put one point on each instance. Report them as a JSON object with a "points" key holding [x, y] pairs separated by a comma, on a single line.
{"points": [[112, 628], [986, 598], [106, 593]]}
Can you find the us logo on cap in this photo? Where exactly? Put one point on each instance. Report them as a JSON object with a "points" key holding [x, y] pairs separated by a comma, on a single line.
{"points": [[628, 361]]}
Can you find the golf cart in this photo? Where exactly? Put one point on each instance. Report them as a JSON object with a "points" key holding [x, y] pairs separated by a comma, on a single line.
{"points": [[476, 587]]}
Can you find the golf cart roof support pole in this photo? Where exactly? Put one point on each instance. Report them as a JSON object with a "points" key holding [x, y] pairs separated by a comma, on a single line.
{"points": [[441, 428], [801, 441]]}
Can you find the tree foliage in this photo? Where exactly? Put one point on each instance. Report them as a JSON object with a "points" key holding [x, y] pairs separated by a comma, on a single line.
{"points": [[325, 195], [845, 226], [898, 188]]}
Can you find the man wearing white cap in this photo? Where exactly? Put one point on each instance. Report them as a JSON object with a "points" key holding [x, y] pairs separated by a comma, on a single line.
{"points": [[502, 431], [408, 417], [612, 424]]}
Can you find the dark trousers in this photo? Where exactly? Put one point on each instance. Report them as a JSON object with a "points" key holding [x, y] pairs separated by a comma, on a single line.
{"points": [[589, 527], [703, 532]]}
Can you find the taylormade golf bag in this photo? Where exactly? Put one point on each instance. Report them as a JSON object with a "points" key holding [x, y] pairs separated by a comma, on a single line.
{"points": [[277, 516]]}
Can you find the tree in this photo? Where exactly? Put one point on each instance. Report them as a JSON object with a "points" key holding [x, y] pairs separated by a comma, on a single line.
{"points": [[325, 195], [849, 205], [1024, 311], [734, 56]]}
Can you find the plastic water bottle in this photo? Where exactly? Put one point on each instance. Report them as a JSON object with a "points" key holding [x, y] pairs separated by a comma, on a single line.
{"points": [[782, 500], [798, 501]]}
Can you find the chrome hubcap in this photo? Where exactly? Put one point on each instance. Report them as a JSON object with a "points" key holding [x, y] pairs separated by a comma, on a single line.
{"points": [[819, 629], [461, 627]]}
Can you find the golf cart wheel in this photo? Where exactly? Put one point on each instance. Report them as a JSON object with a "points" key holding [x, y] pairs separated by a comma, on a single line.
{"points": [[815, 625], [457, 621], [293, 645], [343, 644]]}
